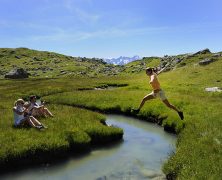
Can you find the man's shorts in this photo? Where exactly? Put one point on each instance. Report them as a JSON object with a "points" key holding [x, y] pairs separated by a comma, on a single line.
{"points": [[159, 94]]}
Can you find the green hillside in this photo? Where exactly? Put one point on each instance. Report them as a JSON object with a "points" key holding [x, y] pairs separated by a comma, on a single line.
{"points": [[49, 64], [199, 146], [43, 64]]}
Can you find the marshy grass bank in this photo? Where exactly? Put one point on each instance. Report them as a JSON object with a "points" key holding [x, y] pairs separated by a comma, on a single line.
{"points": [[71, 131], [140, 155]]}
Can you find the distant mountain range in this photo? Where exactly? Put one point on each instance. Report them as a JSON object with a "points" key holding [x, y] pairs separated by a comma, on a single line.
{"points": [[122, 60]]}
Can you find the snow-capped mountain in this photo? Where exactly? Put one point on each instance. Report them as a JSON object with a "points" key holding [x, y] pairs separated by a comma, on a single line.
{"points": [[122, 60]]}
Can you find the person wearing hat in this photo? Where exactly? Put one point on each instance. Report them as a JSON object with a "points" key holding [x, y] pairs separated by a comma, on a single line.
{"points": [[21, 119]]}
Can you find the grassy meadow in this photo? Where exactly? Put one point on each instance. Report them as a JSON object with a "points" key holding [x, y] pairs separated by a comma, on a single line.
{"points": [[75, 126], [71, 130]]}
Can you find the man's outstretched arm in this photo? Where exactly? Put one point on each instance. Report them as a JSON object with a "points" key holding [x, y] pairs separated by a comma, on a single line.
{"points": [[158, 72]]}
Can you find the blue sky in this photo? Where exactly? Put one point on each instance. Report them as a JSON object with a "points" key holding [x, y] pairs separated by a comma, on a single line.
{"points": [[110, 28]]}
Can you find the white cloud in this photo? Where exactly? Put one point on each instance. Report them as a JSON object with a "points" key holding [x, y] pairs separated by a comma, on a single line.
{"points": [[73, 6], [85, 16], [74, 36], [58, 34]]}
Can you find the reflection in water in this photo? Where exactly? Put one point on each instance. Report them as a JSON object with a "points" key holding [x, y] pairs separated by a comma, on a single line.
{"points": [[139, 156]]}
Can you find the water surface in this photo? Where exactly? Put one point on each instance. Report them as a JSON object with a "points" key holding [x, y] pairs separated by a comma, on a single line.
{"points": [[139, 156]]}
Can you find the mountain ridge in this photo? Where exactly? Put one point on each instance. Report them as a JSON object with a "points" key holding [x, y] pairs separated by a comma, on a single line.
{"points": [[122, 60]]}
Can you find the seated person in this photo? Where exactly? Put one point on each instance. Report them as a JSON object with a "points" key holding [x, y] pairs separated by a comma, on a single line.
{"points": [[21, 119], [36, 109]]}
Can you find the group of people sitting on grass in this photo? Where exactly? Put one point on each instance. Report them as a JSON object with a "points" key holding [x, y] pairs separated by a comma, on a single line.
{"points": [[25, 113]]}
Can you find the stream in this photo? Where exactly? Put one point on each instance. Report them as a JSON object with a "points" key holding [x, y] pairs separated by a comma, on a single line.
{"points": [[141, 154]]}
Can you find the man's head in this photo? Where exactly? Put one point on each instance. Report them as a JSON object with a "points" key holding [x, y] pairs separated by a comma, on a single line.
{"points": [[32, 98]]}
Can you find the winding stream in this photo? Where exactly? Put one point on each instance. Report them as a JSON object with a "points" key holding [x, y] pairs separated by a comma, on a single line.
{"points": [[139, 156]]}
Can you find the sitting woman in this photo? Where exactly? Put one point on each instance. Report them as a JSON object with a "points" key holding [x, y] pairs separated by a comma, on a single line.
{"points": [[37, 110], [21, 117]]}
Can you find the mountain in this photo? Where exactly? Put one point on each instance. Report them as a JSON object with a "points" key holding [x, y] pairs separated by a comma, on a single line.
{"points": [[122, 60]]}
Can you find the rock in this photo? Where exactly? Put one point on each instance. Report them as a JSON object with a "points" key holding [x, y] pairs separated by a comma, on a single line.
{"points": [[206, 61], [182, 64], [151, 174], [25, 55], [35, 74], [12, 52], [17, 57], [204, 51], [62, 73], [18, 73], [36, 59], [56, 61], [177, 61], [2, 72], [217, 55], [190, 56], [164, 63], [213, 89], [102, 178]]}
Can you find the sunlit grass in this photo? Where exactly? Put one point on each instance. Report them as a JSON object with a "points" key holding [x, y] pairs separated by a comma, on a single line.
{"points": [[71, 129], [198, 154]]}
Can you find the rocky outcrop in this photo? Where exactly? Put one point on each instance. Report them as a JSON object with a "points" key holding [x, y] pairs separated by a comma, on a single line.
{"points": [[204, 51], [169, 62], [206, 61], [18, 73]]}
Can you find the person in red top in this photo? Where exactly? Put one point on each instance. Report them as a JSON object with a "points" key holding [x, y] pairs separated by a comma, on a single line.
{"points": [[157, 92]]}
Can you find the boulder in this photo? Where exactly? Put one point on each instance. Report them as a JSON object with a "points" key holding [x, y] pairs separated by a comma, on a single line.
{"points": [[18, 73], [217, 55], [62, 73], [206, 61], [213, 89], [177, 60], [17, 57]]}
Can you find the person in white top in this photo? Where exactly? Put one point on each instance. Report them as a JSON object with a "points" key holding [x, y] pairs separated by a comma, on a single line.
{"points": [[37, 110], [21, 116]]}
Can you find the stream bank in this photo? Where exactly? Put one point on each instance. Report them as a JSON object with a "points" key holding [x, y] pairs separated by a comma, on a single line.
{"points": [[140, 155]]}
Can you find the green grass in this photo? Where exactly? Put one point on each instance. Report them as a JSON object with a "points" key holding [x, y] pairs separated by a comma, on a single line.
{"points": [[72, 129], [198, 154], [199, 143]]}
